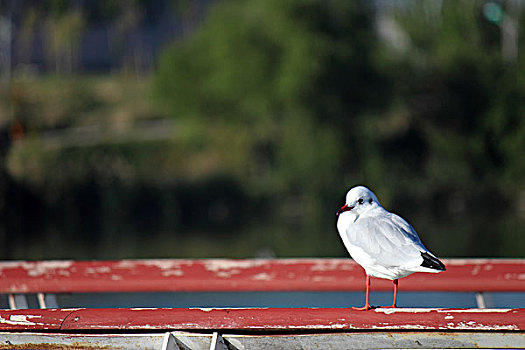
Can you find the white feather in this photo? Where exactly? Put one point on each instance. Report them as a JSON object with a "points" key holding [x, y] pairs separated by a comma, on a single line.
{"points": [[384, 244]]}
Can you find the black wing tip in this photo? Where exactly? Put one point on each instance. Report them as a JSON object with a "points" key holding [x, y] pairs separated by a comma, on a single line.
{"points": [[432, 262]]}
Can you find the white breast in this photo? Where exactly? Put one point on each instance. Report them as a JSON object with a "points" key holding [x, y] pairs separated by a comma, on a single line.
{"points": [[382, 246]]}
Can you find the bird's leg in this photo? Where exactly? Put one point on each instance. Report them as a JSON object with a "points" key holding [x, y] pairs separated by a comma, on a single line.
{"points": [[394, 305], [367, 305]]}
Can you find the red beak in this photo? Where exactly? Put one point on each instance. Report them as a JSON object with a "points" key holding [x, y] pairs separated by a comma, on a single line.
{"points": [[344, 208]]}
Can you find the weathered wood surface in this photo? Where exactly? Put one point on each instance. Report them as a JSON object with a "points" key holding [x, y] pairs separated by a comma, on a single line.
{"points": [[202, 341], [463, 275], [264, 319], [61, 341]]}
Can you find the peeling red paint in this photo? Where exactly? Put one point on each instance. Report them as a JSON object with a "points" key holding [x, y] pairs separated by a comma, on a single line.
{"points": [[266, 319], [490, 275], [30, 319]]}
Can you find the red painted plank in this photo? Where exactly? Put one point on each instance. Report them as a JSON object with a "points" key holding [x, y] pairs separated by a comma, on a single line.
{"points": [[29, 319], [281, 319], [248, 275]]}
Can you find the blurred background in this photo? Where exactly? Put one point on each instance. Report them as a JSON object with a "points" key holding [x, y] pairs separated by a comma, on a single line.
{"points": [[216, 128]]}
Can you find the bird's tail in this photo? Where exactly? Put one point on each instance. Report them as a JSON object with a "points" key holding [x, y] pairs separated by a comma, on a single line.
{"points": [[432, 262]]}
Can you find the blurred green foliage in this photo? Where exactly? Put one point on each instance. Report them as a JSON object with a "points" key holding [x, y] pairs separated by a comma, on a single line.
{"points": [[284, 76], [324, 104], [279, 108]]}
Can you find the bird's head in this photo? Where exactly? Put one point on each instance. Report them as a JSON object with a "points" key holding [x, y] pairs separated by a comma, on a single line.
{"points": [[358, 200]]}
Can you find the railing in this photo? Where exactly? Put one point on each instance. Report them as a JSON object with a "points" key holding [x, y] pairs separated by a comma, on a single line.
{"points": [[18, 278], [463, 275], [276, 327]]}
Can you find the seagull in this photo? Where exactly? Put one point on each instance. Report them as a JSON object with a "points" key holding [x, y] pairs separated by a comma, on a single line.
{"points": [[383, 243]]}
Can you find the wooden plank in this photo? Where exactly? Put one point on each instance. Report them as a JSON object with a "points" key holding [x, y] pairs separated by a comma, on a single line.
{"points": [[201, 341], [33, 319], [490, 275], [265, 319], [380, 340], [63, 341]]}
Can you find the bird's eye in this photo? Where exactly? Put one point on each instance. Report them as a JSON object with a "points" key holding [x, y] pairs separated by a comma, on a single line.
{"points": [[360, 201], [370, 201]]}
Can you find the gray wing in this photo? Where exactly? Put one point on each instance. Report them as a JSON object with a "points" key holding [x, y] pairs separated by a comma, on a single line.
{"points": [[389, 239]]}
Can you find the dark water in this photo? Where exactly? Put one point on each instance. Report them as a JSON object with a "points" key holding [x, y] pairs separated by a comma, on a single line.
{"points": [[279, 299], [217, 219], [454, 238]]}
